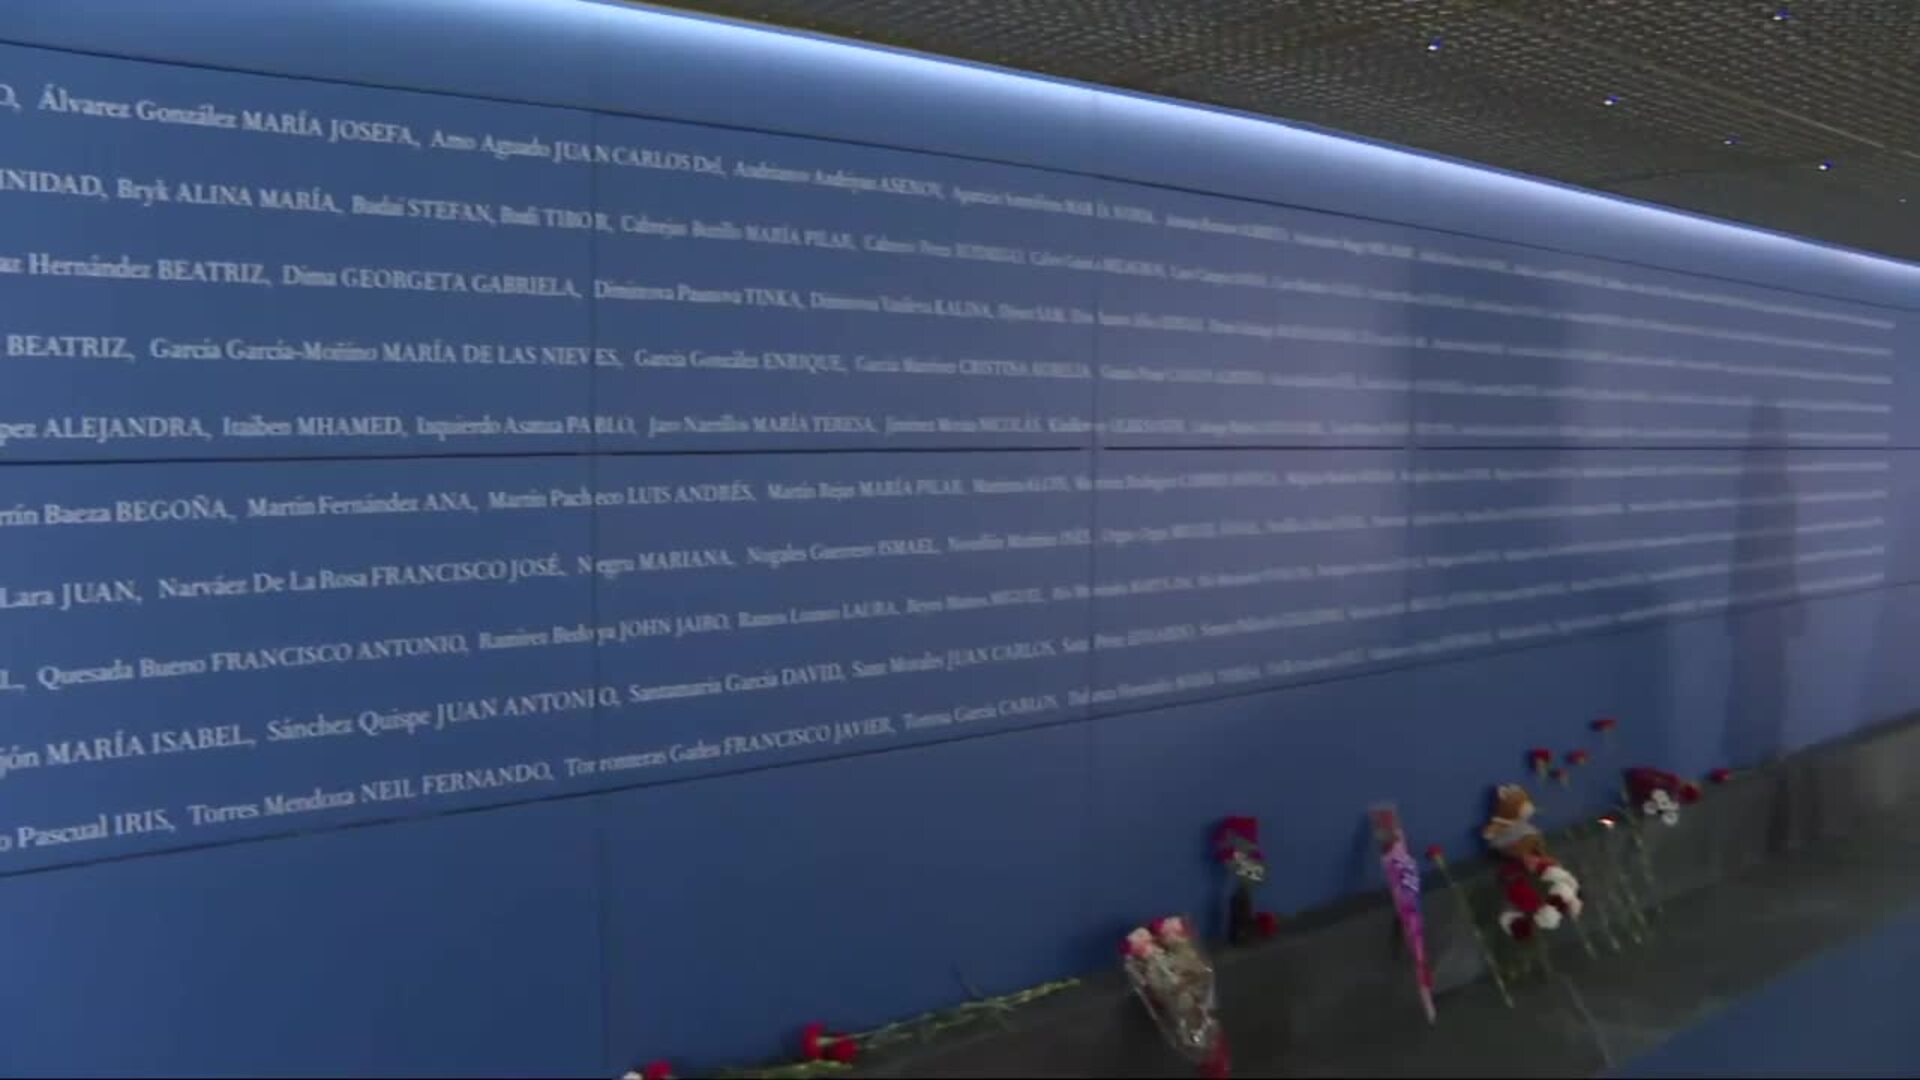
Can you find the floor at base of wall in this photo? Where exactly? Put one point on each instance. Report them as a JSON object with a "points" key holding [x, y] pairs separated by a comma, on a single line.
{"points": [[1788, 938]]}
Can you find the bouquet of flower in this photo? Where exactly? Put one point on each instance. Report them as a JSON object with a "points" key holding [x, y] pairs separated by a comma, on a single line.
{"points": [[1403, 884], [1659, 794], [1236, 846], [1539, 892], [1175, 982]]}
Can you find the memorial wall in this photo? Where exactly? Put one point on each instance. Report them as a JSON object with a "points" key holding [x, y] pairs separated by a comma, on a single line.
{"points": [[372, 455]]}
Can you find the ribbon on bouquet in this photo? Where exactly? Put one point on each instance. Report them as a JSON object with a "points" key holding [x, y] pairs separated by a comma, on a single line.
{"points": [[1403, 882]]}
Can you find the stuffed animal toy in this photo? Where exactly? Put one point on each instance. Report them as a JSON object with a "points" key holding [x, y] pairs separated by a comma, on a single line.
{"points": [[1526, 868]]}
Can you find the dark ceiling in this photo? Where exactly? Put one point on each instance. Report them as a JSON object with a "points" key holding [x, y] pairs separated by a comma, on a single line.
{"points": [[1802, 117]]}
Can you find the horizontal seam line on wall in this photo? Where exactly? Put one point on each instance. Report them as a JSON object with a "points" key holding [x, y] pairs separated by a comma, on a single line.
{"points": [[889, 451]]}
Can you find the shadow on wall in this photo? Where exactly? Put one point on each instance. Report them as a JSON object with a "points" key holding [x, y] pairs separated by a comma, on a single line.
{"points": [[1563, 657], [1759, 683]]}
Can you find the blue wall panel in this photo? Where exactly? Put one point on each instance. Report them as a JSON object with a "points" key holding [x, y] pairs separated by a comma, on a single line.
{"points": [[295, 290], [925, 876], [1220, 572], [465, 945], [818, 498], [837, 604], [202, 652], [761, 293]]}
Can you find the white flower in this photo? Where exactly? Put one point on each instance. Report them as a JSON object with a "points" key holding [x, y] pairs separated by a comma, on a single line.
{"points": [[1508, 918], [1253, 871], [1547, 918], [1670, 818]]}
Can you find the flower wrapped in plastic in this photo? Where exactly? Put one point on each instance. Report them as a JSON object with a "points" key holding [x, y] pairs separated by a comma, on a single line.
{"points": [[1173, 979], [1236, 846], [1659, 794]]}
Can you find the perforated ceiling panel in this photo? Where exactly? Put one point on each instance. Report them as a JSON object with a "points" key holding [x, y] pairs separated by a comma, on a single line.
{"points": [[1802, 117]]}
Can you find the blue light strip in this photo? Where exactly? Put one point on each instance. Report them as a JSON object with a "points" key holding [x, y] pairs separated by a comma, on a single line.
{"points": [[622, 57]]}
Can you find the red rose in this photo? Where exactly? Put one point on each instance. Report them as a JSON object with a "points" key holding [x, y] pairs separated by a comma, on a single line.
{"points": [[1521, 928], [1720, 776], [658, 1070], [1689, 793], [1436, 853], [843, 1051], [1578, 757], [810, 1039], [1605, 723], [1247, 828], [1266, 923], [1540, 756]]}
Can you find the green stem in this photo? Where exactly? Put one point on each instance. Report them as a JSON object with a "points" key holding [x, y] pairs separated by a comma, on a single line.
{"points": [[1580, 931], [1473, 925], [1573, 834], [926, 1026], [1598, 899], [1620, 893], [1635, 827]]}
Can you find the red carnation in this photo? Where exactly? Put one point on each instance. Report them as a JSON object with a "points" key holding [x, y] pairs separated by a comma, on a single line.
{"points": [[1266, 924], [1578, 757], [1605, 723], [817, 1045], [1521, 929], [1436, 853], [1540, 757], [1689, 793], [1519, 890], [658, 1070], [1247, 828], [1231, 832], [1720, 776]]}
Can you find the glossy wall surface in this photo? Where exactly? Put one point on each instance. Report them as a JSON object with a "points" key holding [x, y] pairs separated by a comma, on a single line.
{"points": [[526, 531]]}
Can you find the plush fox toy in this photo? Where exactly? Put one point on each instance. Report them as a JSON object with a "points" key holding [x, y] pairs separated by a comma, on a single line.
{"points": [[1526, 869]]}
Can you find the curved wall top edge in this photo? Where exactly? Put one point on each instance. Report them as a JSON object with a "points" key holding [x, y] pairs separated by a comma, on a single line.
{"points": [[616, 56]]}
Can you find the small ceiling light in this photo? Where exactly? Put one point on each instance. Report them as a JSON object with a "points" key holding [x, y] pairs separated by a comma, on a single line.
{"points": [[1782, 15], [1733, 140], [1826, 166], [1434, 45], [1610, 101]]}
